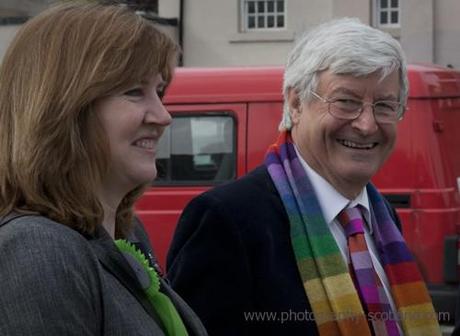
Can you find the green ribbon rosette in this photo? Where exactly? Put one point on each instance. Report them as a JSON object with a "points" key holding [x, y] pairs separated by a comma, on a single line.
{"points": [[150, 283]]}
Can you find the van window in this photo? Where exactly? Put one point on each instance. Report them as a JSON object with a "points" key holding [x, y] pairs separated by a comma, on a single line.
{"points": [[198, 149]]}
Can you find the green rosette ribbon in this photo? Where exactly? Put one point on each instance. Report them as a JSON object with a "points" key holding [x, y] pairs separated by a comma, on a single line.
{"points": [[151, 285]]}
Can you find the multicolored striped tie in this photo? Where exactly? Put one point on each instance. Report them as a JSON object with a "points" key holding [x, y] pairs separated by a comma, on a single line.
{"points": [[370, 290]]}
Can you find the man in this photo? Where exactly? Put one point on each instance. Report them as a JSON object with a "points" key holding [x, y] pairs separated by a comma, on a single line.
{"points": [[304, 244]]}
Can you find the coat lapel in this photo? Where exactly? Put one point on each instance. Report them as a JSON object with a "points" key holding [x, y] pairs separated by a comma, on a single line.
{"points": [[191, 321], [114, 262]]}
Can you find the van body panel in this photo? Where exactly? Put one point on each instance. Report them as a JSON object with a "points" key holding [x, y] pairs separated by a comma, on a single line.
{"points": [[265, 117], [424, 232], [217, 85], [425, 166], [433, 81], [161, 221]]}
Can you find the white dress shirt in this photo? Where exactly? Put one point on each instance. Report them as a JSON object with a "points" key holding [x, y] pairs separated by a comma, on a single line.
{"points": [[331, 203]]}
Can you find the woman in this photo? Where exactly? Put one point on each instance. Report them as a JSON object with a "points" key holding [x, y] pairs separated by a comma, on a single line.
{"points": [[80, 119]]}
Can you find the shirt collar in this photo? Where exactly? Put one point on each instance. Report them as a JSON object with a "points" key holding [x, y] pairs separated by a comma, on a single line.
{"points": [[330, 200]]}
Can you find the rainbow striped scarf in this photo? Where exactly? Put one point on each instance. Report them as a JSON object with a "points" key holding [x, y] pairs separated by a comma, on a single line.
{"points": [[327, 282]]}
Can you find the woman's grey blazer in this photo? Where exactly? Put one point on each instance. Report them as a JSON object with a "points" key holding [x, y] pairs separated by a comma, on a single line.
{"points": [[55, 281]]}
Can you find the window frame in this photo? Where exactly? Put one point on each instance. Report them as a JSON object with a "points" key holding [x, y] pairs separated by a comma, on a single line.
{"points": [[244, 15], [378, 10]]}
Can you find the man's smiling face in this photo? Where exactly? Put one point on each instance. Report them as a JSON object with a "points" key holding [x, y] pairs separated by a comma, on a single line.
{"points": [[347, 153]]}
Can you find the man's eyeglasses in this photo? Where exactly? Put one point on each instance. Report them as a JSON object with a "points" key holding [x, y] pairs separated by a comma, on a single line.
{"points": [[385, 111]]}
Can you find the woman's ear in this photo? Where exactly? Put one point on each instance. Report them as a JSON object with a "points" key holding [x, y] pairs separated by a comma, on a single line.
{"points": [[295, 107]]}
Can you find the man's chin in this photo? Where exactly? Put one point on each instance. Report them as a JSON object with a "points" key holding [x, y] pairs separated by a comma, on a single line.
{"points": [[360, 179]]}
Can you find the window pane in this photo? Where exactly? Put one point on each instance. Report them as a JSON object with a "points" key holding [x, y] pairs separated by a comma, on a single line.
{"points": [[280, 21], [261, 22], [383, 3], [394, 3], [270, 21], [280, 6], [394, 17], [251, 7], [163, 159], [198, 148], [264, 14], [270, 6], [261, 6], [383, 17], [251, 22]]}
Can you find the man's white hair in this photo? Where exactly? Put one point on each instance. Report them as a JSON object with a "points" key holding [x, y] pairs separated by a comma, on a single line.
{"points": [[343, 46]]}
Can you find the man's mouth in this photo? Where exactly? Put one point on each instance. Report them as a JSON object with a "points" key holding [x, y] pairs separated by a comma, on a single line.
{"points": [[354, 145]]}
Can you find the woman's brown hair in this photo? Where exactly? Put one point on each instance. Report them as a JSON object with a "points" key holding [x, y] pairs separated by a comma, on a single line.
{"points": [[53, 149]]}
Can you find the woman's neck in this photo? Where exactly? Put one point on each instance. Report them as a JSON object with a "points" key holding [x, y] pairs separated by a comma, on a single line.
{"points": [[110, 213], [110, 197], [110, 202]]}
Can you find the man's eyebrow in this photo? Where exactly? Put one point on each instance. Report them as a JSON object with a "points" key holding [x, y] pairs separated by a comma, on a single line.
{"points": [[388, 97], [346, 91], [343, 90]]}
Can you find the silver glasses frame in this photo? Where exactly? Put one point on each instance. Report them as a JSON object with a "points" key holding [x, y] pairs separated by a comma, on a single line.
{"points": [[399, 112]]}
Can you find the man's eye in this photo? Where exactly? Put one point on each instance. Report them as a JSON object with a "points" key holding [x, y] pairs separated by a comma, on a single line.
{"points": [[136, 92], [347, 104], [387, 106]]}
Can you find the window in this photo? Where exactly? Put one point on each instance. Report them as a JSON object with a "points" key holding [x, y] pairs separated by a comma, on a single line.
{"points": [[388, 13], [197, 149], [263, 14]]}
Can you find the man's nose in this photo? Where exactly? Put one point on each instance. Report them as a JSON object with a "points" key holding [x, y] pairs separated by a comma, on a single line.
{"points": [[366, 123]]}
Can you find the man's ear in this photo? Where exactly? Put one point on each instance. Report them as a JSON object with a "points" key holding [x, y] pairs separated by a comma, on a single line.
{"points": [[295, 106]]}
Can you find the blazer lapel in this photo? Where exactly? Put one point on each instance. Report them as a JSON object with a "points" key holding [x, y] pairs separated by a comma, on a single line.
{"points": [[114, 262], [190, 319]]}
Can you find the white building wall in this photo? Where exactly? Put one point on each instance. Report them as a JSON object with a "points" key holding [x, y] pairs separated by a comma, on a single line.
{"points": [[6, 35], [26, 7], [168, 8], [447, 32], [354, 8], [213, 36], [417, 30]]}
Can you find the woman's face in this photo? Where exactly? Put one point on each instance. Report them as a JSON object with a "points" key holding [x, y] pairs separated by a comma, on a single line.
{"points": [[133, 122]]}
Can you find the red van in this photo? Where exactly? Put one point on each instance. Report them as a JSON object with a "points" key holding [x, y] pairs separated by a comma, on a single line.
{"points": [[224, 119]]}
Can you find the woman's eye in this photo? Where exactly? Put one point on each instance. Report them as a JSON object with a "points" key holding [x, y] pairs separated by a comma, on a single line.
{"points": [[136, 92]]}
